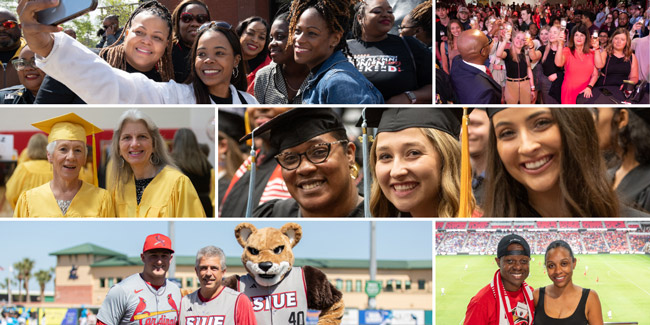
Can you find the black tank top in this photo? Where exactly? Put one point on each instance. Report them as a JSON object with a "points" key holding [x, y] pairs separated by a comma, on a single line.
{"points": [[578, 317]]}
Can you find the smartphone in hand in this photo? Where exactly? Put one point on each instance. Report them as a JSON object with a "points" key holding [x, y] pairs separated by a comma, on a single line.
{"points": [[66, 10]]}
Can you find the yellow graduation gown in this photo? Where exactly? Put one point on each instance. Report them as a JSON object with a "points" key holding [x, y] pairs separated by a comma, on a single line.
{"points": [[90, 201], [170, 194], [86, 174], [26, 176], [23, 157]]}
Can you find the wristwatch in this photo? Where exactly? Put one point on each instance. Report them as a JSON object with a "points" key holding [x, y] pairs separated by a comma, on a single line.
{"points": [[411, 96]]}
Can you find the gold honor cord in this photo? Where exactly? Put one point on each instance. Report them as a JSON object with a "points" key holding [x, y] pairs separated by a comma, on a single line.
{"points": [[465, 171]]}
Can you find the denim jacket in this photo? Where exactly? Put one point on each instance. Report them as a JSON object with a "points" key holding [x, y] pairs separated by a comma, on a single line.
{"points": [[339, 82]]}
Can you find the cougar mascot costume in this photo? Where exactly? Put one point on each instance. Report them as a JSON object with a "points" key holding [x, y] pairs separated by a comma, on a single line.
{"points": [[280, 292]]}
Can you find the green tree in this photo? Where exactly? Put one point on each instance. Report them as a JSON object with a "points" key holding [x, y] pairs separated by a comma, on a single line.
{"points": [[18, 266], [9, 4], [7, 283], [43, 277], [26, 266]]}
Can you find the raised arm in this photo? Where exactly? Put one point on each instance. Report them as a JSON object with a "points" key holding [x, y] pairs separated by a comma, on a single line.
{"points": [[38, 36]]}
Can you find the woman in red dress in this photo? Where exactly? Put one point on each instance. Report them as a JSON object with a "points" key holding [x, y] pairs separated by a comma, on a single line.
{"points": [[578, 62]]}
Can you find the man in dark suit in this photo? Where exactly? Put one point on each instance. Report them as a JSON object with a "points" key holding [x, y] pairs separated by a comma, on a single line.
{"points": [[468, 71]]}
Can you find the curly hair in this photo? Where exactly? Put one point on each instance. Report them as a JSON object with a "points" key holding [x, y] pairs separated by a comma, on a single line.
{"points": [[421, 16], [115, 54], [448, 148], [336, 13], [176, 16], [583, 185]]}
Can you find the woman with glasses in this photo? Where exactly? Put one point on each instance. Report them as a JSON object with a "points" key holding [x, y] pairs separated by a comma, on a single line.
{"points": [[30, 78], [253, 35], [418, 23], [216, 73], [143, 46], [400, 67], [188, 16], [317, 163], [317, 33]]}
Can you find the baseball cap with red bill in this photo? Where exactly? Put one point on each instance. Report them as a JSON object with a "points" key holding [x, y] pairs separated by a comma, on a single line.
{"points": [[157, 241]]}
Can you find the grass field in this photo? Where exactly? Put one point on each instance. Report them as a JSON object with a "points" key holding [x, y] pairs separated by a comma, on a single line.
{"points": [[621, 281]]}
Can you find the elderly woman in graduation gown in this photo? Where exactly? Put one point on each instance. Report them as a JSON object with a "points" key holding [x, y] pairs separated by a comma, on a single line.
{"points": [[146, 182], [66, 195]]}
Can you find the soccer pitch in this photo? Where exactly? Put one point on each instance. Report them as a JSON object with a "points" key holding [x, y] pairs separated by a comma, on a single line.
{"points": [[621, 281]]}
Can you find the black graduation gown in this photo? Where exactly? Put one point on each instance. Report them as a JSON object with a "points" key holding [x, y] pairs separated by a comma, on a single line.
{"points": [[289, 209], [235, 204], [634, 189]]}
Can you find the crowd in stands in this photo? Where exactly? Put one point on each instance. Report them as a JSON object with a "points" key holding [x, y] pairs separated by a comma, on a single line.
{"points": [[540, 53], [483, 242]]}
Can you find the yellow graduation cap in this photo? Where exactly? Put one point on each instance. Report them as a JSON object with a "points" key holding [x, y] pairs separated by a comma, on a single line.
{"points": [[70, 127]]}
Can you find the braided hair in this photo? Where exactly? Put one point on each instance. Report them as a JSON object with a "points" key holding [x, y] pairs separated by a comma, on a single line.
{"points": [[176, 16], [115, 54], [359, 15], [421, 16], [336, 13]]}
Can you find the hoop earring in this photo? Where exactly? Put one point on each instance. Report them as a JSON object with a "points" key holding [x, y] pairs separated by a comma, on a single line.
{"points": [[154, 160], [235, 72], [354, 171]]}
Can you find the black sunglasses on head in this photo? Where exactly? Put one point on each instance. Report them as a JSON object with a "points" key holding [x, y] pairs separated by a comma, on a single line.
{"points": [[221, 24]]}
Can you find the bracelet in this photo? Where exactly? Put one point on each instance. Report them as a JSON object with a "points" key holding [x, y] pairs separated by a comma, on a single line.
{"points": [[532, 88], [590, 87]]}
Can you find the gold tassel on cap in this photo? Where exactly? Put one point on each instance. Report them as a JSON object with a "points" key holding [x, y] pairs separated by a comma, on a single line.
{"points": [[464, 210]]}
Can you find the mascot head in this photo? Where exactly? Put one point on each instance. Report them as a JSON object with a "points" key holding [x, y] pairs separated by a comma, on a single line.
{"points": [[267, 252]]}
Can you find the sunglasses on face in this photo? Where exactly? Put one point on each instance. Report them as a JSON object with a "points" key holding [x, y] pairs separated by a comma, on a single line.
{"points": [[221, 24], [9, 24], [187, 18], [21, 64]]}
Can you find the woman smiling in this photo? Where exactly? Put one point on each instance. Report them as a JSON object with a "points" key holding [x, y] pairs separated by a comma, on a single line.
{"points": [[317, 32], [66, 195], [546, 162]]}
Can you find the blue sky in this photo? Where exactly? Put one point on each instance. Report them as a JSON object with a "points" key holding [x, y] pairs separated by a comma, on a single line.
{"points": [[396, 240]]}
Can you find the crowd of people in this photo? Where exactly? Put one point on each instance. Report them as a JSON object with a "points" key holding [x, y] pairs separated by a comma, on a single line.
{"points": [[582, 242], [56, 176], [311, 52], [542, 53]]}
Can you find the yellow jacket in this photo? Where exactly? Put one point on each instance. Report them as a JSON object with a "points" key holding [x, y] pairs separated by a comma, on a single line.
{"points": [[170, 194], [26, 176], [90, 201]]}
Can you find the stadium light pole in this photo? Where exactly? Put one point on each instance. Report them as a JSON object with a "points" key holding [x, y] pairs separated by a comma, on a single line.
{"points": [[172, 263], [372, 302]]}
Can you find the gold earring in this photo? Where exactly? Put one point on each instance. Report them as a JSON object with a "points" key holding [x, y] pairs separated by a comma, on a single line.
{"points": [[354, 171]]}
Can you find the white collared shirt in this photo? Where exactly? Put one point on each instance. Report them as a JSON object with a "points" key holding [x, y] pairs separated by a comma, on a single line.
{"points": [[481, 67]]}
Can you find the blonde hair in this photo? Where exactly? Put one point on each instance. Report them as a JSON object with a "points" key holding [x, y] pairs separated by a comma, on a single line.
{"points": [[36, 147], [122, 171], [448, 148]]}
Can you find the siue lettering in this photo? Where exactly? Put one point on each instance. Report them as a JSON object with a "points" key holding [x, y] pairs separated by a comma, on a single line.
{"points": [[275, 301], [205, 320]]}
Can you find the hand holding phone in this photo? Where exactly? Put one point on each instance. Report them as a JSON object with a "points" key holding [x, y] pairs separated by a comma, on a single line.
{"points": [[66, 10]]}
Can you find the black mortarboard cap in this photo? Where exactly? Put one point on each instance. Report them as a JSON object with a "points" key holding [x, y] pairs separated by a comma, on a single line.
{"points": [[299, 125], [493, 110], [447, 120], [502, 248], [231, 124]]}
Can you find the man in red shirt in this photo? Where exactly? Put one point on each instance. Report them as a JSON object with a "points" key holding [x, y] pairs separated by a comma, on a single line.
{"points": [[507, 300]]}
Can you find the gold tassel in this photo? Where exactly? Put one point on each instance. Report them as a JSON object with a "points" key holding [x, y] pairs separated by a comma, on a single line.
{"points": [[465, 171]]}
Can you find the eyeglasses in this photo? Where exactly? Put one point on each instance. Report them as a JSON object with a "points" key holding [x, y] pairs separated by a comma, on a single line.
{"points": [[317, 154], [187, 18], [9, 24], [400, 27], [221, 24], [21, 64]]}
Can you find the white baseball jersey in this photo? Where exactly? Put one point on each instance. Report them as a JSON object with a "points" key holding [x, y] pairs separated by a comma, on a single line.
{"points": [[284, 303], [135, 302], [219, 310]]}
